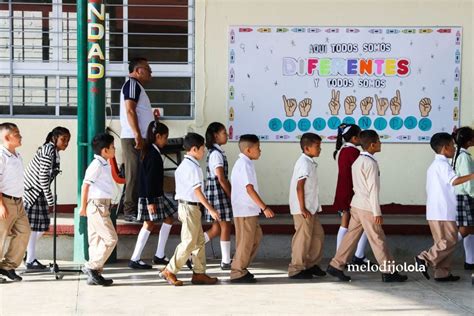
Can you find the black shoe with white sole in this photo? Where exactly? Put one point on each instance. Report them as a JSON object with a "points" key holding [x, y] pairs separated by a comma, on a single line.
{"points": [[11, 274]]}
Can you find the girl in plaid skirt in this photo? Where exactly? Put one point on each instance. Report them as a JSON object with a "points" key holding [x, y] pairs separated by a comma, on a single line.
{"points": [[153, 205], [218, 190], [463, 165], [38, 197]]}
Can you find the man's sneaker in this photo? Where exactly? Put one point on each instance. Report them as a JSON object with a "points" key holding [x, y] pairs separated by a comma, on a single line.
{"points": [[302, 275], [170, 277], [226, 266], [338, 274], [161, 261], [203, 279], [35, 265], [139, 265], [94, 278], [393, 277], [316, 271], [11, 275], [468, 266], [247, 278], [422, 263], [449, 278]]}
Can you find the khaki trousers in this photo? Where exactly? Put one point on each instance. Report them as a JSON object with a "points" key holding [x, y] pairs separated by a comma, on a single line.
{"points": [[101, 233], [17, 226], [192, 240], [361, 221], [131, 159], [307, 244], [248, 235], [439, 256]]}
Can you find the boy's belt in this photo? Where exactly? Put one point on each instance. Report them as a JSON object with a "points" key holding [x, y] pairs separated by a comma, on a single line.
{"points": [[11, 197], [188, 202]]}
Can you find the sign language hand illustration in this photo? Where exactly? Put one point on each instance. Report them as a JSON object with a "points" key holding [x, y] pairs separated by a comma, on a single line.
{"points": [[425, 107], [350, 104], [290, 106], [334, 104], [382, 105], [366, 105], [396, 103], [305, 106]]}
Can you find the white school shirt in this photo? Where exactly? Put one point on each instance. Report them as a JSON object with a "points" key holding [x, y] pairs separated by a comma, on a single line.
{"points": [[441, 199], [366, 184], [188, 176], [464, 166], [305, 168], [216, 160], [11, 173], [99, 177], [243, 174]]}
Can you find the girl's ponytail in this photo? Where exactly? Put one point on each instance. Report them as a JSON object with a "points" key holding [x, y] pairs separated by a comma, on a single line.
{"points": [[340, 129]]}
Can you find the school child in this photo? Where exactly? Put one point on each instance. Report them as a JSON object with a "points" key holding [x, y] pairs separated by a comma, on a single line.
{"points": [[189, 185], [39, 199], [441, 210], [96, 197], [344, 192], [366, 214], [247, 206], [13, 218], [308, 240], [153, 206], [463, 165], [218, 190]]}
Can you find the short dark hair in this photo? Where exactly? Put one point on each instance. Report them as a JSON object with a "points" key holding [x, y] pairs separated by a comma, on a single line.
{"points": [[439, 140], [192, 140], [307, 139], [101, 141], [247, 140], [134, 62], [7, 126], [368, 137]]}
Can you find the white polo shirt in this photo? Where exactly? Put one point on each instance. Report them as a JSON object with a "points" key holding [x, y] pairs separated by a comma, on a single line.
{"points": [[216, 159], [441, 200], [243, 174], [188, 176], [11, 173], [305, 168], [99, 177]]}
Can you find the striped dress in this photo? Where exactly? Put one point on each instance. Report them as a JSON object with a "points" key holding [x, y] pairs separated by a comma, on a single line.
{"points": [[38, 177]]}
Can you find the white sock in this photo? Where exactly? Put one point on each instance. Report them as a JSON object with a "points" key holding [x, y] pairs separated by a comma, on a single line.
{"points": [[340, 234], [469, 248], [459, 236], [141, 242], [360, 252], [206, 238], [162, 239], [31, 250], [225, 251]]}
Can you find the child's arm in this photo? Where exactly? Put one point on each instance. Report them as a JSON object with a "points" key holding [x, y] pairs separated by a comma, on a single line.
{"points": [[373, 188], [462, 179], [256, 198], [300, 194], [3, 208], [206, 204], [84, 198], [222, 180]]}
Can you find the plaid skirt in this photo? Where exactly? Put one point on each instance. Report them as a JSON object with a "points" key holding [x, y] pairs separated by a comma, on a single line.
{"points": [[38, 215], [219, 200], [164, 209], [465, 210]]}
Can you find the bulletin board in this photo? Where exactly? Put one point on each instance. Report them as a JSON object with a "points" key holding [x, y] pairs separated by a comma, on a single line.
{"points": [[403, 82]]}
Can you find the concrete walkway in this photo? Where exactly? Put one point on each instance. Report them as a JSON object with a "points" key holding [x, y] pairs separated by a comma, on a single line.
{"points": [[143, 293]]}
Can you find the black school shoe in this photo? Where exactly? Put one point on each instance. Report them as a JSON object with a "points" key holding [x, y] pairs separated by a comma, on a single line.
{"points": [[302, 275], [393, 277], [449, 278], [468, 266], [93, 276], [226, 266], [139, 265], [11, 275], [248, 278], [161, 261], [422, 263], [316, 271], [337, 273], [35, 266]]}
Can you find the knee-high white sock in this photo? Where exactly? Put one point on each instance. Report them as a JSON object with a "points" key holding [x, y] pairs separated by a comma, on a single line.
{"points": [[206, 237], [360, 252], [469, 248], [31, 250], [141, 242], [340, 234], [459, 236], [225, 251], [162, 239]]}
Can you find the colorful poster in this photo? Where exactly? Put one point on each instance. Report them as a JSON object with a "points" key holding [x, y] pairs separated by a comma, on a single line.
{"points": [[403, 82]]}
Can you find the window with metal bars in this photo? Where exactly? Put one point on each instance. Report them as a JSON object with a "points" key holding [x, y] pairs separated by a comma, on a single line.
{"points": [[38, 62]]}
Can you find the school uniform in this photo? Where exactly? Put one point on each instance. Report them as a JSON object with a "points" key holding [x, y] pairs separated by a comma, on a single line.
{"points": [[441, 214], [248, 232], [38, 178], [308, 240], [344, 192], [101, 232], [465, 192], [365, 205], [151, 188], [188, 177], [16, 224], [214, 193]]}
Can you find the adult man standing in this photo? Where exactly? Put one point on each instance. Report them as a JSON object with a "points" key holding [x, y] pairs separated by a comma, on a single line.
{"points": [[135, 115]]}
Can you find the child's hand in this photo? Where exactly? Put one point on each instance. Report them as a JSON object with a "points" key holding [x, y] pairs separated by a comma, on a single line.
{"points": [[268, 213], [83, 212], [151, 208], [306, 213], [3, 212], [378, 220], [214, 214]]}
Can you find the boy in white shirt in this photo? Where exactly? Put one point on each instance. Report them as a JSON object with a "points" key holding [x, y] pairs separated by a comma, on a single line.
{"points": [[96, 199], [441, 209], [308, 240], [189, 193], [13, 218], [246, 205]]}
